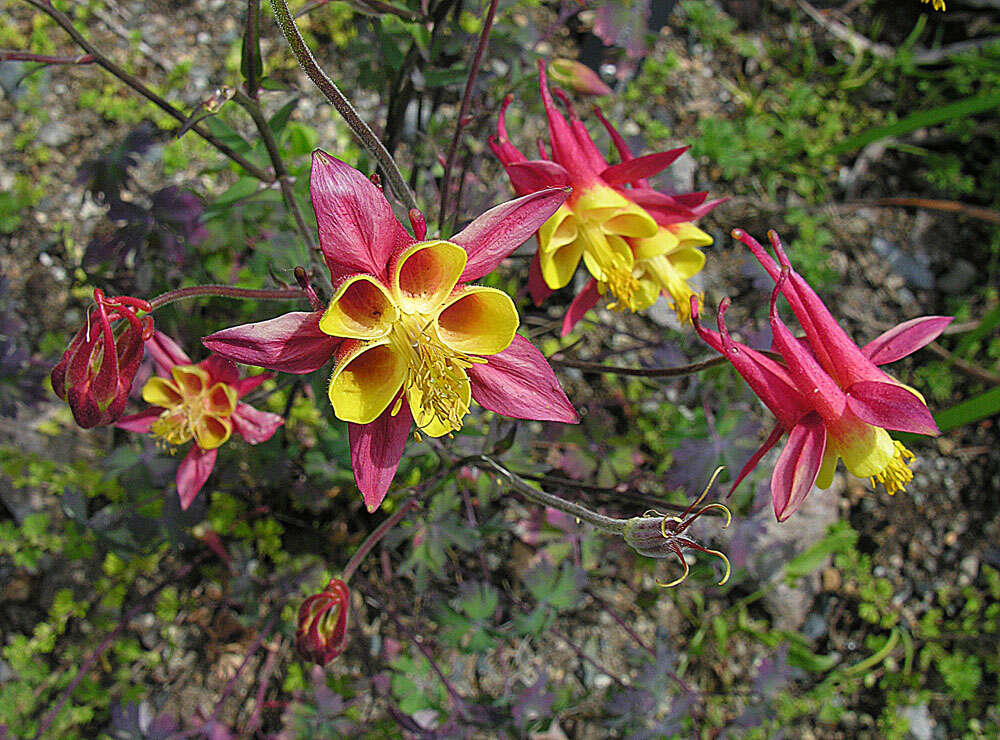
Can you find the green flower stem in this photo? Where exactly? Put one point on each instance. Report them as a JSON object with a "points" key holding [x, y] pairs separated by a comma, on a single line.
{"points": [[642, 372], [329, 88], [607, 524], [252, 41], [67, 25], [374, 538], [227, 291]]}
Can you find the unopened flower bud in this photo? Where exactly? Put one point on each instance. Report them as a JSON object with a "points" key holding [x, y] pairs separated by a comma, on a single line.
{"points": [[95, 373], [322, 632], [577, 77]]}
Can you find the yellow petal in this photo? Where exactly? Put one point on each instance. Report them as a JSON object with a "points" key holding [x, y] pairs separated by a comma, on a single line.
{"points": [[361, 309], [604, 254], [221, 400], [687, 261], [826, 469], [663, 242], [478, 321], [690, 235], [162, 392], [191, 380], [558, 232], [424, 275], [366, 381], [615, 213], [212, 431], [427, 419]]}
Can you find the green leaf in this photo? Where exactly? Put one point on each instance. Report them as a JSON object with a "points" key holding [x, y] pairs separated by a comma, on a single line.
{"points": [[242, 188], [970, 410], [278, 121], [921, 119], [840, 538]]}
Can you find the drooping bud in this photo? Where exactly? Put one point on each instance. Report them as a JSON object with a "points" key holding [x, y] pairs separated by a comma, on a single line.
{"points": [[95, 373], [577, 77], [322, 632], [656, 535]]}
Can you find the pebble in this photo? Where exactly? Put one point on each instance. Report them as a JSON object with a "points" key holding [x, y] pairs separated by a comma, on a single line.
{"points": [[55, 134]]}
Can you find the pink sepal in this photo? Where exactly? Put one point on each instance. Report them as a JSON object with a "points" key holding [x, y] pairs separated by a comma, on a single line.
{"points": [[376, 449], [798, 465], [537, 286], [565, 148], [141, 422], [358, 231], [193, 472], [585, 300], [641, 167], [500, 143], [165, 353], [537, 174], [890, 406], [254, 425], [498, 232], [519, 383], [665, 209], [221, 369], [772, 439], [291, 343], [905, 339], [250, 383]]}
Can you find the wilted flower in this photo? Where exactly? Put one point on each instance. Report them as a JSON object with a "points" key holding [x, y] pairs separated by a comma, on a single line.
{"points": [[577, 77], [96, 372], [636, 242], [829, 396], [199, 403], [412, 341], [656, 535], [322, 631]]}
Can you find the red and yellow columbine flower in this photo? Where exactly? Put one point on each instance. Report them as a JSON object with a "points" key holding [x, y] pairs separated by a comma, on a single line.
{"points": [[322, 630], [828, 396], [198, 403], [96, 372], [413, 342], [636, 242]]}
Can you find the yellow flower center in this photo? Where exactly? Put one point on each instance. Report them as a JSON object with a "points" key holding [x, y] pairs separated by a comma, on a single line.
{"points": [[194, 407], [415, 339], [896, 473]]}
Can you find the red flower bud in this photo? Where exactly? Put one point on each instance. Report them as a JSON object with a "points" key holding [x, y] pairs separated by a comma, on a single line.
{"points": [[322, 631], [577, 77], [95, 373]]}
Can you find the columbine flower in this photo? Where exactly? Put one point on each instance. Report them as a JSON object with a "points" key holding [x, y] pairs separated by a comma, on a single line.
{"points": [[938, 4], [322, 630], [96, 372], [199, 403], [824, 422], [413, 342], [636, 242]]}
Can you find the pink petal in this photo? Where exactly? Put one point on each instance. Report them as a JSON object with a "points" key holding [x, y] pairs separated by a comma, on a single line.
{"points": [[537, 174], [249, 384], [501, 230], [291, 343], [642, 167], [376, 449], [506, 152], [141, 422], [255, 425], [905, 339], [585, 300], [537, 287], [587, 148], [221, 369], [624, 151], [690, 200], [357, 229], [705, 208], [664, 208], [193, 472], [890, 406], [565, 147], [798, 465], [772, 439], [165, 353], [519, 383]]}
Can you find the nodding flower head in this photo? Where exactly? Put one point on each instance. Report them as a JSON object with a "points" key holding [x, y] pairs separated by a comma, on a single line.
{"points": [[657, 535], [96, 371], [322, 630]]}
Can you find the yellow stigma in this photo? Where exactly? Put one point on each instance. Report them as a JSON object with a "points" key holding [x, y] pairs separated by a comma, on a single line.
{"points": [[193, 407], [897, 473], [436, 380]]}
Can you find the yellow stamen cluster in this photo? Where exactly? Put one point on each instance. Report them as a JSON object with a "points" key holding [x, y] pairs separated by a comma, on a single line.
{"points": [[938, 4], [622, 284], [194, 407], [897, 473]]}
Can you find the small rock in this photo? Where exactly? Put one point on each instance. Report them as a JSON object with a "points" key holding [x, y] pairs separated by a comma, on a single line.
{"points": [[56, 134], [831, 579], [911, 269], [969, 566], [921, 724]]}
